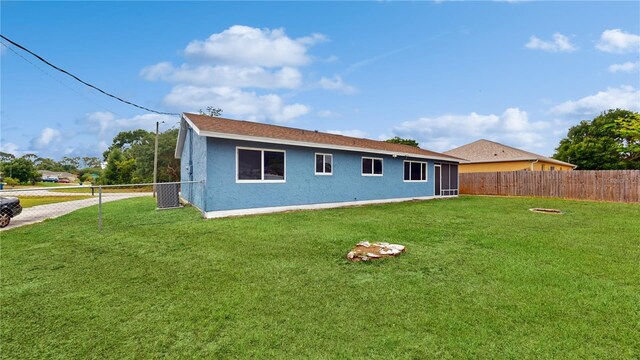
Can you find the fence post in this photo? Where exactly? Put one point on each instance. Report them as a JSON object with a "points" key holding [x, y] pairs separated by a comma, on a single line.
{"points": [[99, 207]]}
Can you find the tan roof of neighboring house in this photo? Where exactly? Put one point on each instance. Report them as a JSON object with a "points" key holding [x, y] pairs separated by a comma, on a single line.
{"points": [[253, 131], [482, 151]]}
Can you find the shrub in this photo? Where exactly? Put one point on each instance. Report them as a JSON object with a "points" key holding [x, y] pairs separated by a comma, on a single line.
{"points": [[11, 181]]}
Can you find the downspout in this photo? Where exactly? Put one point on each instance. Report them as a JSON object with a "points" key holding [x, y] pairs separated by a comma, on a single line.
{"points": [[533, 162]]}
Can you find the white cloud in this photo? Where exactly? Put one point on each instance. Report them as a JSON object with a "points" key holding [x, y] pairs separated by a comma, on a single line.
{"points": [[336, 84], [159, 71], [220, 70], [623, 97], [224, 75], [625, 67], [618, 41], [445, 132], [352, 133], [248, 105], [559, 43], [47, 137], [10, 148], [328, 113], [106, 125], [248, 46]]}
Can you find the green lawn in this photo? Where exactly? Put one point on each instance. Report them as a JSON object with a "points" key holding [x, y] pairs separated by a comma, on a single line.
{"points": [[39, 185], [483, 277], [29, 201]]}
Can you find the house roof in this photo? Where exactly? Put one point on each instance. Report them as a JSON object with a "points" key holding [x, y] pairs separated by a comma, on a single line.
{"points": [[60, 174], [482, 151], [252, 131]]}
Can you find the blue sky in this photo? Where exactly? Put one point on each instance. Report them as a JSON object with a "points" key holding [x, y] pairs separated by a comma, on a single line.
{"points": [[444, 73]]}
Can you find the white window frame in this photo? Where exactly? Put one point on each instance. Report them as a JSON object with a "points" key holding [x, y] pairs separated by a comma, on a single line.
{"points": [[372, 165], [323, 173], [426, 174], [262, 150]]}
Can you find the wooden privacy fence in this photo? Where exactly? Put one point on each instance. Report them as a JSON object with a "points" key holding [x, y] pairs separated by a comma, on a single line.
{"points": [[603, 185]]}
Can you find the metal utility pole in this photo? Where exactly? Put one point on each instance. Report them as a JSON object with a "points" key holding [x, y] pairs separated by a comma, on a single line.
{"points": [[155, 160]]}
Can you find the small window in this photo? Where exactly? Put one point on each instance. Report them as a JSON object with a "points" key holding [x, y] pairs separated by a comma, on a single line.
{"points": [[257, 165], [324, 164], [552, 168], [415, 171], [371, 166]]}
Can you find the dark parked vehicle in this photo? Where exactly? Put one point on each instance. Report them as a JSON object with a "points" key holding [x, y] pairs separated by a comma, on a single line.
{"points": [[9, 208]]}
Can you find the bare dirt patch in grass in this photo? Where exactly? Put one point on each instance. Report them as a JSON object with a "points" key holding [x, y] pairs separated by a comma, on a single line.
{"points": [[547, 211]]}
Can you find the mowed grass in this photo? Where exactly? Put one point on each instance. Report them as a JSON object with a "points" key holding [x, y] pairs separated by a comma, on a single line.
{"points": [[29, 201], [482, 277], [39, 185]]}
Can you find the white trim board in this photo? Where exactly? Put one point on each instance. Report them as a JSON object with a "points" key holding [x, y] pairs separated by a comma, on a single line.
{"points": [[306, 144], [275, 209]]}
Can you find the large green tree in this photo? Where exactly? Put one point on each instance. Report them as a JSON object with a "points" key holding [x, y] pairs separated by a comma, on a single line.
{"points": [[6, 157], [130, 158], [609, 141], [21, 169], [127, 139], [47, 164], [168, 165], [119, 169]]}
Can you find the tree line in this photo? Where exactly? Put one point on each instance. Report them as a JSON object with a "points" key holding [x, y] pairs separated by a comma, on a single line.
{"points": [[609, 141], [128, 160]]}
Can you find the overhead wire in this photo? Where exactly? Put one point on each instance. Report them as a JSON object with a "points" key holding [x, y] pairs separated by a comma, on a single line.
{"points": [[82, 81], [57, 80]]}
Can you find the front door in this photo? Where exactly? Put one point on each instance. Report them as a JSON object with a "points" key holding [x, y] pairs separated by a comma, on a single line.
{"points": [[438, 191]]}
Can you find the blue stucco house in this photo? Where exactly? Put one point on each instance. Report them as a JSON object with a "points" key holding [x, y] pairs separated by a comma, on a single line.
{"points": [[248, 168]]}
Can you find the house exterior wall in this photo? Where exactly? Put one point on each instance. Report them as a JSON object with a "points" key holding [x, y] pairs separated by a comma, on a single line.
{"points": [[302, 186], [193, 167], [511, 166], [547, 166]]}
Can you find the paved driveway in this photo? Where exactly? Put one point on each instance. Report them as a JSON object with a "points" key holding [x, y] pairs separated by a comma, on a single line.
{"points": [[40, 213]]}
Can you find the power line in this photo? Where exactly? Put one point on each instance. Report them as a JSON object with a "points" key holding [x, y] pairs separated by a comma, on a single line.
{"points": [[57, 80], [82, 81]]}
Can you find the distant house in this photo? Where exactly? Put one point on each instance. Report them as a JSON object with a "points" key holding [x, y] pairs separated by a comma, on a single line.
{"points": [[250, 167], [58, 175], [485, 156]]}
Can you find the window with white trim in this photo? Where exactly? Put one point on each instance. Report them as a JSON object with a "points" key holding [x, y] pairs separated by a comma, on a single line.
{"points": [[371, 166], [415, 171], [324, 164], [260, 165]]}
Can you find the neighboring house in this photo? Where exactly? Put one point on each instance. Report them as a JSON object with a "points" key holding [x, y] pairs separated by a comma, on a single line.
{"points": [[250, 167], [58, 174], [487, 156]]}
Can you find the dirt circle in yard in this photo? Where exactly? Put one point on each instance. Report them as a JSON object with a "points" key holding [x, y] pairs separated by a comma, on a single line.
{"points": [[365, 251], [547, 211]]}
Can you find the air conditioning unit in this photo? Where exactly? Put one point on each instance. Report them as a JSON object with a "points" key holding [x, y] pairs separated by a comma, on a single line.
{"points": [[168, 196]]}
